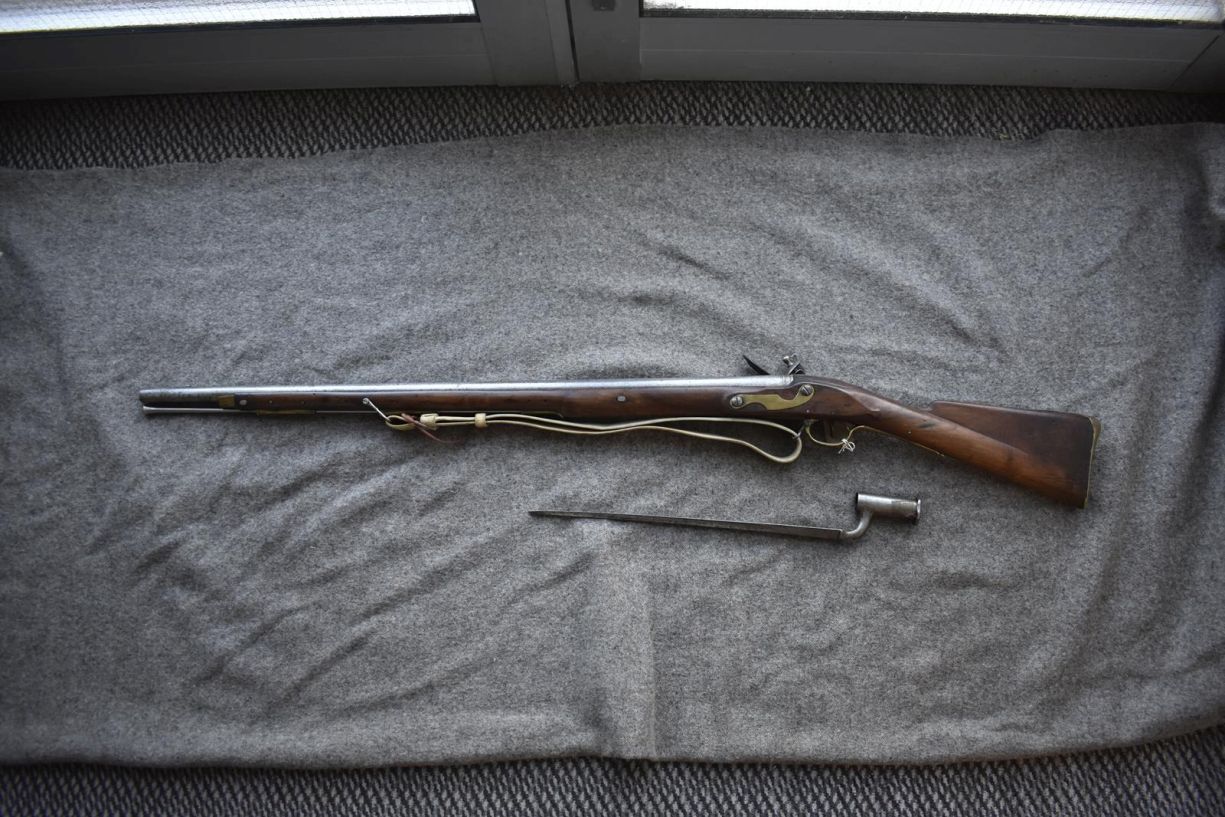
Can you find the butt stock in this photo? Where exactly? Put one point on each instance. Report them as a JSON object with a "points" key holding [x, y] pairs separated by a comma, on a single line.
{"points": [[1049, 452]]}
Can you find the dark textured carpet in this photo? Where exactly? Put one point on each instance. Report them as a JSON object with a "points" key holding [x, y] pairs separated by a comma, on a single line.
{"points": [[149, 130], [1181, 776]]}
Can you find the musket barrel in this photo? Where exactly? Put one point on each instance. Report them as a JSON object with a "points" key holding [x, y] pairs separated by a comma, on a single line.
{"points": [[637, 397]]}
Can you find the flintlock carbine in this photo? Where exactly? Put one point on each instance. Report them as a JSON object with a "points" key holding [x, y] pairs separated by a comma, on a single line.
{"points": [[1047, 451]]}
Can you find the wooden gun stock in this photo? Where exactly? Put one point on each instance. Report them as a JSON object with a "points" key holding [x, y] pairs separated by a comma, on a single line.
{"points": [[1049, 452]]}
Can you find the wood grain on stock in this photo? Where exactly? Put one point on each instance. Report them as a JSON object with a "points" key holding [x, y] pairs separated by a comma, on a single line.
{"points": [[1046, 451]]}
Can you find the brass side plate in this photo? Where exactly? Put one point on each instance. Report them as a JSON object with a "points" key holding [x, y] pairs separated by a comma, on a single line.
{"points": [[773, 402]]}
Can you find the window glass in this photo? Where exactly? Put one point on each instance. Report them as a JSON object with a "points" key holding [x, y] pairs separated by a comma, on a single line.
{"points": [[1198, 11], [60, 15]]}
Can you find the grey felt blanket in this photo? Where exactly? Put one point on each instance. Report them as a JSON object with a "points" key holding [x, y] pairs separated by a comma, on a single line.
{"points": [[323, 591]]}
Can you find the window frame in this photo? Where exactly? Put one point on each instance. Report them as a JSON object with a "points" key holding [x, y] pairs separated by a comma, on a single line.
{"points": [[622, 44], [559, 42], [526, 42]]}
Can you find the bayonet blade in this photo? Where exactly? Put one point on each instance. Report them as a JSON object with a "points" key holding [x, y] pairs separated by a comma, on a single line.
{"points": [[798, 531]]}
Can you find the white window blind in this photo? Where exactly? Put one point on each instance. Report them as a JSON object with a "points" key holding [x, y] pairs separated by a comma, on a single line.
{"points": [[61, 15], [1188, 11]]}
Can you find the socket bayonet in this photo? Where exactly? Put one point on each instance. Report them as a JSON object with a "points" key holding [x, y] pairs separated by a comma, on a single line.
{"points": [[868, 506]]}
